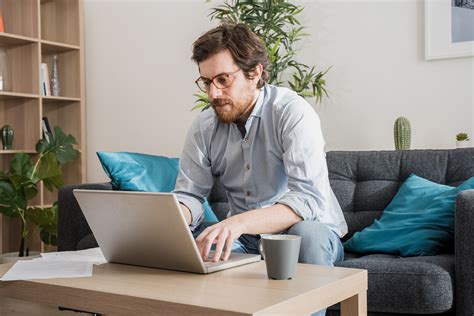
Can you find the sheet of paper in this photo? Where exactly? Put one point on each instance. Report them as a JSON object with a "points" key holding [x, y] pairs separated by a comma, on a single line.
{"points": [[48, 269], [93, 255]]}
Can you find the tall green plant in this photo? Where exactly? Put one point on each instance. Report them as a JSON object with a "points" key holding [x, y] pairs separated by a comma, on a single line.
{"points": [[20, 184], [276, 23]]}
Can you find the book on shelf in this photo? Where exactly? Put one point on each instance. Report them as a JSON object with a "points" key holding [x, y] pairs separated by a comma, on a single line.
{"points": [[46, 128], [1, 22], [45, 83]]}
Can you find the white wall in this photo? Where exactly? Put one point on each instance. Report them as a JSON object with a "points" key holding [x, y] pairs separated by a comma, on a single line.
{"points": [[140, 78]]}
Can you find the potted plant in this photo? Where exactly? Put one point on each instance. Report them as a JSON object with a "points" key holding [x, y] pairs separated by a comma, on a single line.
{"points": [[19, 185], [276, 23], [462, 140]]}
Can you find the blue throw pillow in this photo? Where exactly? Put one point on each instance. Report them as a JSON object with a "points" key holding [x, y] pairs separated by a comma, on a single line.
{"points": [[418, 222], [141, 172]]}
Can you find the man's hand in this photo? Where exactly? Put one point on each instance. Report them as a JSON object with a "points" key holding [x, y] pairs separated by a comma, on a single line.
{"points": [[223, 235], [269, 220]]}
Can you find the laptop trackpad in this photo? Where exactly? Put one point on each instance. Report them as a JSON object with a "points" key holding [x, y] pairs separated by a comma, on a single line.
{"points": [[234, 257]]}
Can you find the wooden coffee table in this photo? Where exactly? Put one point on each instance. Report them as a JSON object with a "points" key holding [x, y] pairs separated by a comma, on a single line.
{"points": [[246, 290]]}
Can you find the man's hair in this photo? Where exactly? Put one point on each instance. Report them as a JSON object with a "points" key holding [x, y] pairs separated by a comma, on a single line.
{"points": [[245, 46]]}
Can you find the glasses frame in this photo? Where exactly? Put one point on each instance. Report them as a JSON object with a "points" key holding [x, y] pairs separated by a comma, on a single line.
{"points": [[217, 85]]}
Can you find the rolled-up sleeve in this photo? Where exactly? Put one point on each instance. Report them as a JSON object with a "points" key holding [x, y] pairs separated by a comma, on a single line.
{"points": [[304, 160], [195, 179]]}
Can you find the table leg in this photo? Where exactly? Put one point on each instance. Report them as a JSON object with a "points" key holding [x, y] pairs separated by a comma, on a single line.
{"points": [[355, 305]]}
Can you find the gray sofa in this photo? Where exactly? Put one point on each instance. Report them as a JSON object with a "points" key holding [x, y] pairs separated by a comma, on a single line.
{"points": [[365, 182]]}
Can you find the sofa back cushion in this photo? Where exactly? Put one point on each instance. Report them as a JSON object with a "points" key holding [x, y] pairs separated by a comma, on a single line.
{"points": [[365, 182]]}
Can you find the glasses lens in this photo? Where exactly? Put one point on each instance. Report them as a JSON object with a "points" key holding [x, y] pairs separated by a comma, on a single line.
{"points": [[203, 86], [222, 81]]}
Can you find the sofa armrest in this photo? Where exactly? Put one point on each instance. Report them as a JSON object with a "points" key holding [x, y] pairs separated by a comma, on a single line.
{"points": [[464, 253], [72, 226]]}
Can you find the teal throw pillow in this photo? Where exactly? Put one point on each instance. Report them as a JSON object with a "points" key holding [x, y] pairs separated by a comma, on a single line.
{"points": [[418, 222], [141, 172]]}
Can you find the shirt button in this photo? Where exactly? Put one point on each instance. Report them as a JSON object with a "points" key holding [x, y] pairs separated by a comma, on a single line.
{"points": [[247, 193], [247, 166], [245, 140]]}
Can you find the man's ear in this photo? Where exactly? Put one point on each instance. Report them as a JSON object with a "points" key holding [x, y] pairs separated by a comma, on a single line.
{"points": [[256, 73]]}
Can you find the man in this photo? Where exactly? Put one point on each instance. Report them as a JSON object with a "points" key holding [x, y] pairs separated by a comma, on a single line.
{"points": [[266, 146]]}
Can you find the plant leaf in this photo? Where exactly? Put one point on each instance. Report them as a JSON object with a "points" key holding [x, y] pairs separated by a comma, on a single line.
{"points": [[61, 145], [21, 165], [43, 217], [54, 182], [49, 167], [49, 238], [11, 200], [46, 220]]}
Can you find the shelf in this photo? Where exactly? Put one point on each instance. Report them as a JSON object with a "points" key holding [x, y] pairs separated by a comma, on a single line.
{"points": [[12, 152], [42, 206], [7, 95], [19, 66], [23, 115], [64, 114], [68, 73], [20, 17], [7, 40], [51, 99], [60, 21], [34, 32], [55, 47]]}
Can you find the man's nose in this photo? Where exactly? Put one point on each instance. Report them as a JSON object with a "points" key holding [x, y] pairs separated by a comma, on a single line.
{"points": [[213, 92]]}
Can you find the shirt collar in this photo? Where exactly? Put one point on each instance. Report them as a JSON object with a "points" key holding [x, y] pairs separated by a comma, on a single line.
{"points": [[257, 110]]}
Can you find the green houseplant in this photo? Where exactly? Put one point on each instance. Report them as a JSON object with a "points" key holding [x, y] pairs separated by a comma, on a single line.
{"points": [[276, 23], [460, 137], [462, 140], [20, 183]]}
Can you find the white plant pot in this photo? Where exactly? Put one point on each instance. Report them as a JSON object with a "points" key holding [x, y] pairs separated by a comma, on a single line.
{"points": [[462, 144], [13, 256]]}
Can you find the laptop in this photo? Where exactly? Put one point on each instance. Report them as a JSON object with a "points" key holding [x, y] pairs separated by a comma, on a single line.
{"points": [[147, 229]]}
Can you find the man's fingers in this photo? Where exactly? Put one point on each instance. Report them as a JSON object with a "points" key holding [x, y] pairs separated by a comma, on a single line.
{"points": [[200, 241], [207, 242], [228, 248], [203, 234], [221, 240], [221, 235]]}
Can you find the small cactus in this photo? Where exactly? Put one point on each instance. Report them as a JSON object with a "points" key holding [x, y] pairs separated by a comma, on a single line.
{"points": [[402, 133]]}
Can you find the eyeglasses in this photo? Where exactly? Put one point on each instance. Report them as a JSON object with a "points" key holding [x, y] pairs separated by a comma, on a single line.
{"points": [[221, 81]]}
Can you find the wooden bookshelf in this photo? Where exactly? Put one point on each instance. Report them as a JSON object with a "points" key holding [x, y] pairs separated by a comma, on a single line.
{"points": [[35, 31]]}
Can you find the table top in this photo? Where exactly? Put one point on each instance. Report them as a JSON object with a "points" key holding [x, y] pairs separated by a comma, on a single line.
{"points": [[241, 290]]}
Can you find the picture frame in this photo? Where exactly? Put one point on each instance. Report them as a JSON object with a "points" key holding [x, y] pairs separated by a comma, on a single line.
{"points": [[448, 29]]}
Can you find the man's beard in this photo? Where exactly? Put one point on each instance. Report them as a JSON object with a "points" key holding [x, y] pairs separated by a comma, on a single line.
{"points": [[234, 114]]}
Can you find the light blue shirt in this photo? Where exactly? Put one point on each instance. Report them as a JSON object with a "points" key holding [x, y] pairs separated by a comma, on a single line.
{"points": [[280, 159]]}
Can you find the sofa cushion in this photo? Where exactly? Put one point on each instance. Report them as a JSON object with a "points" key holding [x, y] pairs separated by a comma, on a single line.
{"points": [[139, 172], [365, 182], [418, 221], [142, 172], [415, 285]]}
